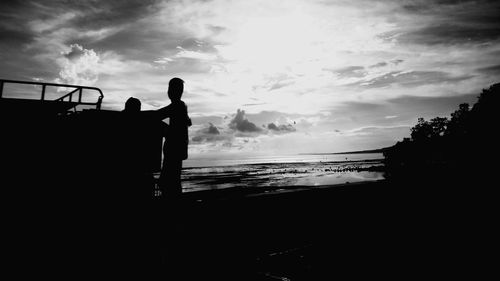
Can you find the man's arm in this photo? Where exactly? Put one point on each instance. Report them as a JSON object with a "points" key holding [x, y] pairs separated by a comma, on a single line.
{"points": [[165, 112], [159, 114]]}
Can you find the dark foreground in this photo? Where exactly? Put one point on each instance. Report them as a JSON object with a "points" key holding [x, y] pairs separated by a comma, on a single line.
{"points": [[356, 230], [353, 230]]}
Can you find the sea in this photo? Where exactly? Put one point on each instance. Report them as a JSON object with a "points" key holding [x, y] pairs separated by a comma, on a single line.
{"points": [[281, 171]]}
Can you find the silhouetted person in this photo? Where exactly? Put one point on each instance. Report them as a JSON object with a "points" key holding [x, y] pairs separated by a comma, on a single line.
{"points": [[131, 144], [140, 132], [176, 142], [139, 141], [132, 105], [174, 152]]}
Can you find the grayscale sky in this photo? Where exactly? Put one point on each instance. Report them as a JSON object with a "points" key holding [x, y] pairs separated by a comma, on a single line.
{"points": [[266, 77]]}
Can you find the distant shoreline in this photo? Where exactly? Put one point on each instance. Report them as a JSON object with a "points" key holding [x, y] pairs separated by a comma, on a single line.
{"points": [[380, 150], [290, 163]]}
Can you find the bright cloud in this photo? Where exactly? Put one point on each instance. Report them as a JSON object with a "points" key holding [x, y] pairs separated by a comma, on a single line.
{"points": [[79, 66]]}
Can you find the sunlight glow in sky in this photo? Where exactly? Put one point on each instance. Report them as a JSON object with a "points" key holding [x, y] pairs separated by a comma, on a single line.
{"points": [[266, 77]]}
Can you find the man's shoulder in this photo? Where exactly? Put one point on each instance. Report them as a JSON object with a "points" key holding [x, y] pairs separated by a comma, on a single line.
{"points": [[180, 104]]}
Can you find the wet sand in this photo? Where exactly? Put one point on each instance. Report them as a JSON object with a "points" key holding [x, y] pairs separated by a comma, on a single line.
{"points": [[281, 174]]}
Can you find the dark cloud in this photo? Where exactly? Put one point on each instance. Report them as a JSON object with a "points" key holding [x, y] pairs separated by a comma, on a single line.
{"points": [[451, 22], [149, 43], [198, 138], [17, 65], [427, 101], [212, 130], [14, 14], [288, 128], [216, 29], [428, 107], [138, 41], [91, 14], [450, 34], [210, 133], [100, 14], [407, 108], [411, 79], [396, 62], [195, 44], [130, 31], [241, 124], [17, 62], [28, 27], [493, 70], [75, 52], [426, 6], [16, 36], [380, 64], [349, 71], [127, 28], [238, 129]]}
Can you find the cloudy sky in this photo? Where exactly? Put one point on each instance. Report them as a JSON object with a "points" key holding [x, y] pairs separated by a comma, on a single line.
{"points": [[266, 77]]}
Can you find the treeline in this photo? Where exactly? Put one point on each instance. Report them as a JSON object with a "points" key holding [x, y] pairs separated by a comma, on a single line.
{"points": [[460, 148]]}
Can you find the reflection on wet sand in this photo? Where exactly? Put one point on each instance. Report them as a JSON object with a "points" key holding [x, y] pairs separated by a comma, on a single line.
{"points": [[281, 174]]}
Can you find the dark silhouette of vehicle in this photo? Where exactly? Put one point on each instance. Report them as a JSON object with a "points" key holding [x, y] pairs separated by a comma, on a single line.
{"points": [[79, 180]]}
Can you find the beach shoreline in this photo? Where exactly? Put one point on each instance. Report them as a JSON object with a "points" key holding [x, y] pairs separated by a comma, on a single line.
{"points": [[282, 174]]}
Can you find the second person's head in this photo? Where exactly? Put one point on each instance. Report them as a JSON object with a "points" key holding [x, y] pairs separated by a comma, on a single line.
{"points": [[175, 88]]}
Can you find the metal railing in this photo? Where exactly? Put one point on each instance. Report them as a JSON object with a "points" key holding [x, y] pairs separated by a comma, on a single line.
{"points": [[77, 90]]}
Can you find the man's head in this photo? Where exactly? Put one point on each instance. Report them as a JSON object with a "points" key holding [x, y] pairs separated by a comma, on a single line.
{"points": [[132, 105], [175, 88]]}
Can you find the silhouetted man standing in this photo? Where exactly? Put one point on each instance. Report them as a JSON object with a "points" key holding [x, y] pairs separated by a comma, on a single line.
{"points": [[176, 142]]}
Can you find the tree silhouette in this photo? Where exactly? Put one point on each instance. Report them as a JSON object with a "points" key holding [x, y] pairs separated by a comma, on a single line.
{"points": [[445, 149], [429, 130]]}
